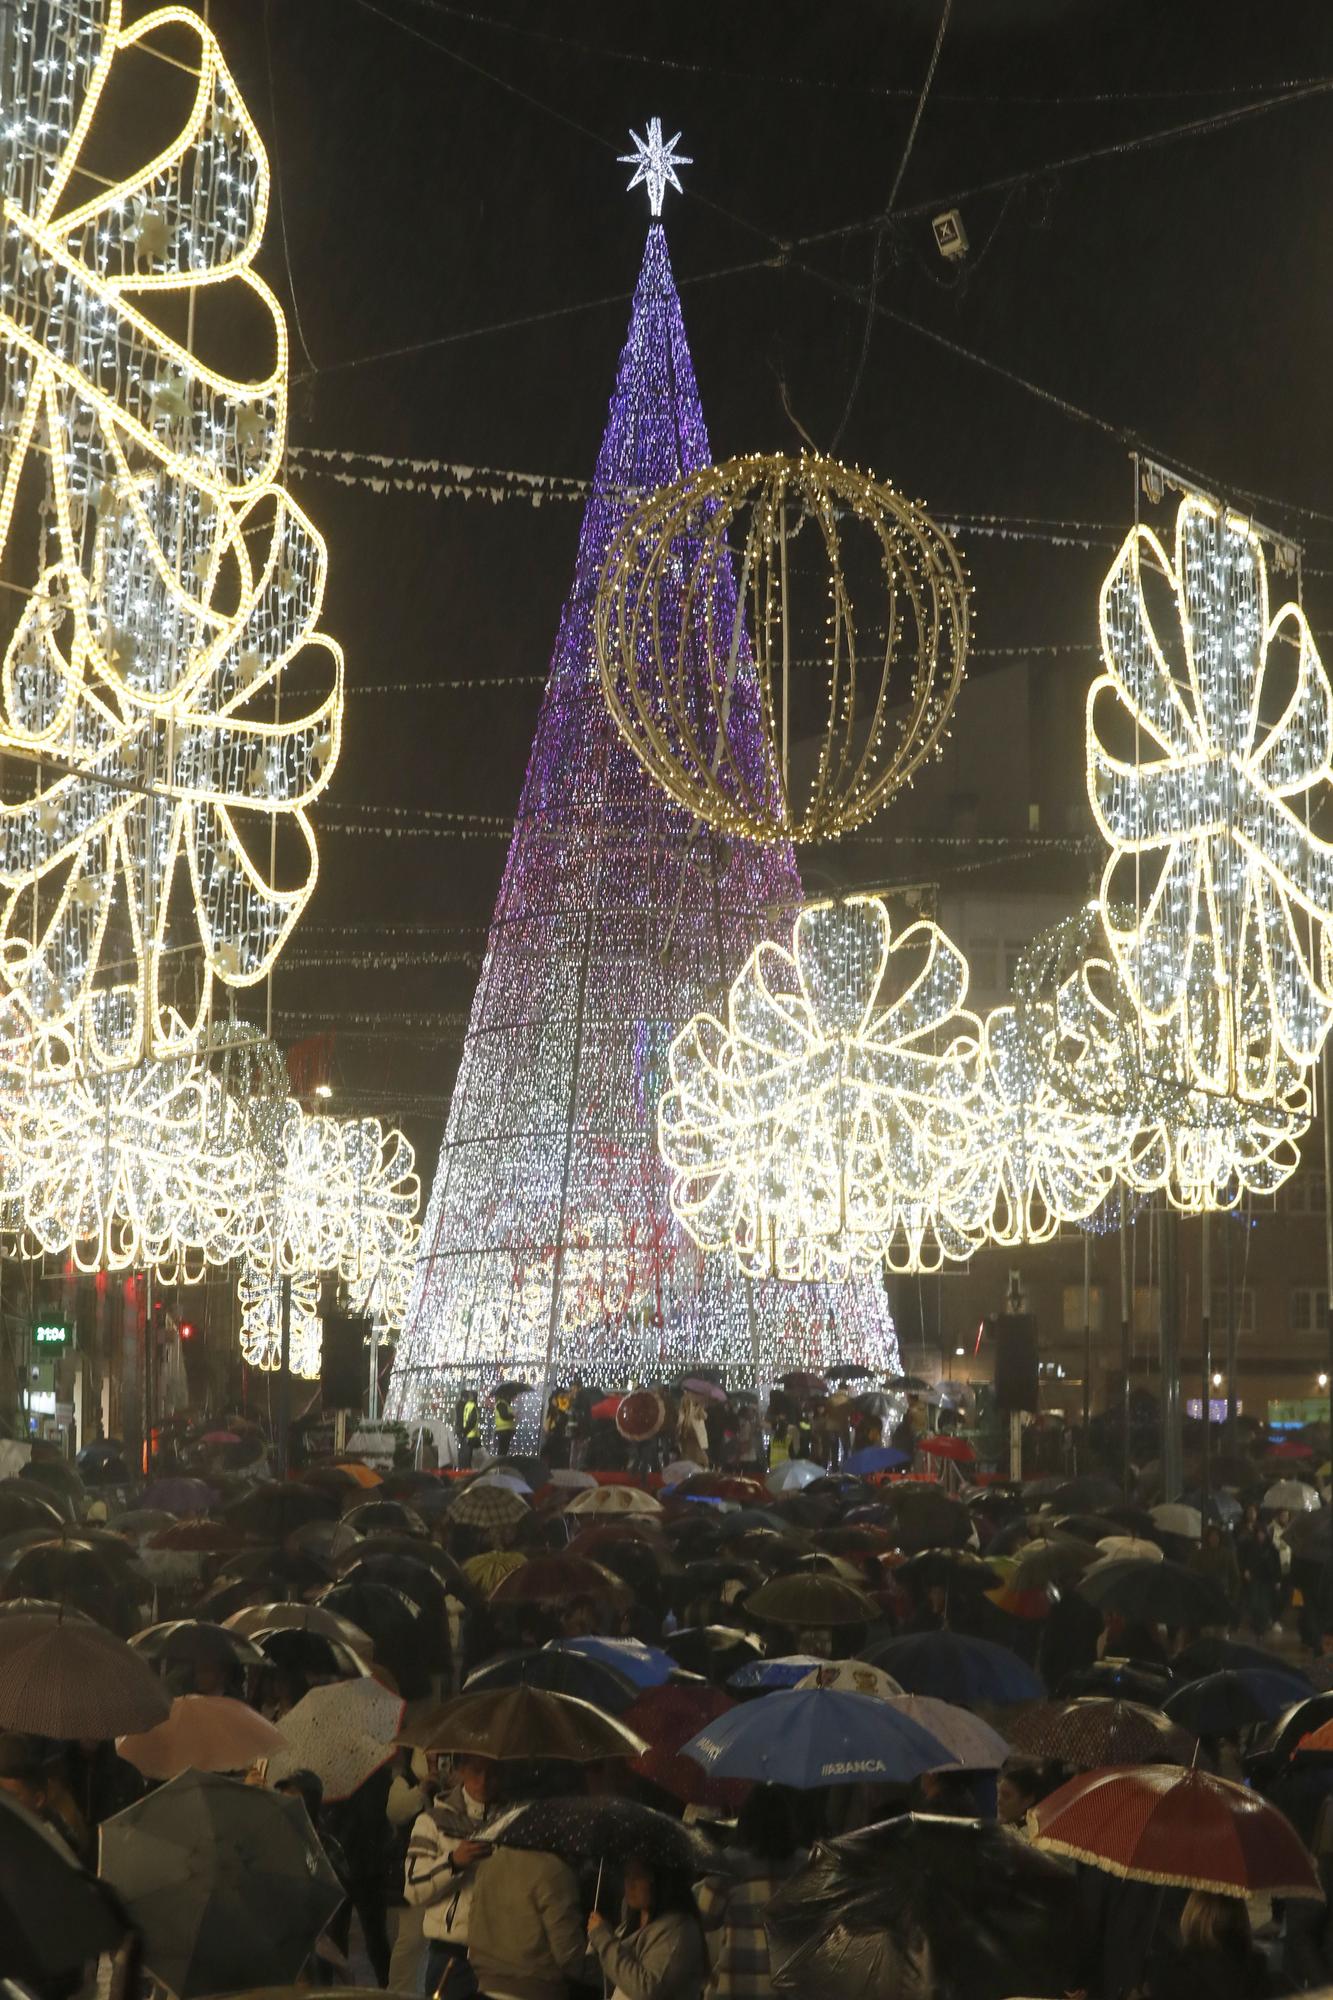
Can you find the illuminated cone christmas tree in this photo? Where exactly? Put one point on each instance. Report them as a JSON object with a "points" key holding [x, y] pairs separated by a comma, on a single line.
{"points": [[549, 1247]]}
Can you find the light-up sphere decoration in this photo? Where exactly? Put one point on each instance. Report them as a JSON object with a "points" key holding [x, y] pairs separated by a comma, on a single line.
{"points": [[803, 1133], [259, 1291], [172, 579], [750, 572], [1208, 746]]}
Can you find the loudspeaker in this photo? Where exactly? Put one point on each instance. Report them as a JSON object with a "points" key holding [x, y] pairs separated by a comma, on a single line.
{"points": [[1015, 1337], [344, 1366]]}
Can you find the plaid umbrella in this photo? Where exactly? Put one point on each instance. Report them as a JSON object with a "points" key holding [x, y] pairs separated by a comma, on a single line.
{"points": [[343, 1733], [490, 1507], [1091, 1732], [204, 1732], [1181, 1829], [522, 1723], [226, 1883], [65, 1677], [581, 1829], [613, 1500], [54, 1918], [668, 1717]]}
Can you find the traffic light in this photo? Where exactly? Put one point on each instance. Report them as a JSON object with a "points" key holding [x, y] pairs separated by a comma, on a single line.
{"points": [[188, 1329]]}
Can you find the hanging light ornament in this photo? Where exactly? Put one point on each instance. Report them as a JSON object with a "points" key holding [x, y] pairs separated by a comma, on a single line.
{"points": [[1208, 746], [749, 567], [260, 1294], [173, 578], [332, 1194], [804, 1134]]}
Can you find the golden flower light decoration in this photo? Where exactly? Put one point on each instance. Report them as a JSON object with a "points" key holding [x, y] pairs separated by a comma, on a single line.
{"points": [[173, 579], [1208, 748], [728, 600], [804, 1133]]}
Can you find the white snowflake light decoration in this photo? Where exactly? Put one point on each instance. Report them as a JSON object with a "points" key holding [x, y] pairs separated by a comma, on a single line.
{"points": [[804, 1134], [173, 579], [1221, 722], [260, 1294]]}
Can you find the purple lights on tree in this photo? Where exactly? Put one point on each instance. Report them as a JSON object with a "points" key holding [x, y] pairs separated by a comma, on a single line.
{"points": [[549, 1247]]}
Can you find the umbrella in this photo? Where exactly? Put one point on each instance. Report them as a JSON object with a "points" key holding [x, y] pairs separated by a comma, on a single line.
{"points": [[507, 1389], [789, 1671], [1320, 1739], [1293, 1495], [1212, 1654], [54, 1918], [1061, 1559], [199, 1537], [204, 1732], [792, 1475], [261, 1621], [1128, 1548], [582, 1829], [641, 1415], [272, 1510], [386, 1517], [490, 1507], [667, 1717], [802, 1382], [928, 1518], [1163, 1593], [1091, 1731], [525, 1722], [644, 1666], [179, 1495], [709, 1392], [607, 1410], [970, 1742], [196, 1642], [943, 1446], [489, 1569], [957, 1668], [1183, 1829], [140, 1522], [952, 1569], [395, 1625], [811, 1737], [503, 1475], [812, 1601], [1224, 1703], [62, 1677], [226, 1883], [924, 1903], [343, 1733], [557, 1580], [613, 1500], [557, 1673], [82, 1574], [1174, 1519], [848, 1676], [1119, 1680], [1085, 1494], [715, 1651], [569, 1476], [23, 1507], [875, 1458]]}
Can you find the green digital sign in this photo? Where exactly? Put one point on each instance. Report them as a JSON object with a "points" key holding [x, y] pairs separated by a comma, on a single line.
{"points": [[49, 1333]]}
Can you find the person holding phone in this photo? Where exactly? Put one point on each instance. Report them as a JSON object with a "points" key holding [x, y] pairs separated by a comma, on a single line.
{"points": [[445, 1847]]}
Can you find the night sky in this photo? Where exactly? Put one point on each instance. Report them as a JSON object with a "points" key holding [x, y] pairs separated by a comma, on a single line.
{"points": [[450, 189]]}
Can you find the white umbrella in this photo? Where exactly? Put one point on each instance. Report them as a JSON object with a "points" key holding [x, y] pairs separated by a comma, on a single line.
{"points": [[852, 1677], [566, 1475], [613, 1500], [973, 1742], [496, 1475], [791, 1477], [679, 1469], [1174, 1519], [1294, 1495], [343, 1733], [1129, 1548]]}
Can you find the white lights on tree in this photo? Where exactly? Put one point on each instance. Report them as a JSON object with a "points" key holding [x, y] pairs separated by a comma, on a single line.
{"points": [[1208, 744], [805, 1133], [172, 579]]}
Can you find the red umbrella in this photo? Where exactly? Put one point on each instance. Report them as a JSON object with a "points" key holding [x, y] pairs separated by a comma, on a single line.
{"points": [[605, 1411], [667, 1717], [1183, 1829], [943, 1446], [557, 1580]]}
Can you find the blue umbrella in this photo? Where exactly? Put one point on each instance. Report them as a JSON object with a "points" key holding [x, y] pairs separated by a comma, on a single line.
{"points": [[808, 1737], [875, 1458], [556, 1673], [1221, 1704], [956, 1668], [783, 1673], [645, 1666]]}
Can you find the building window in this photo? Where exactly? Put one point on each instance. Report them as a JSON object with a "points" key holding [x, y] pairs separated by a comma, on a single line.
{"points": [[1244, 1305], [1309, 1309], [1305, 1194]]}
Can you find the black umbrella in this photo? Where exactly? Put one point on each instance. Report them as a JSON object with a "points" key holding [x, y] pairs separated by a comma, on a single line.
{"points": [[54, 1918], [386, 1517], [395, 1625], [22, 1506], [715, 1651], [67, 1677], [618, 1830], [227, 1883], [59, 1481], [929, 1519], [1121, 1680], [383, 1543], [1214, 1655], [272, 1510], [558, 1673], [953, 1569], [1087, 1494], [1224, 1703], [78, 1573], [513, 1389], [195, 1642], [961, 1909], [1162, 1593]]}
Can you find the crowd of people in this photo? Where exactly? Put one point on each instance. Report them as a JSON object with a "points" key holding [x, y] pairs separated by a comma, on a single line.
{"points": [[606, 1718]]}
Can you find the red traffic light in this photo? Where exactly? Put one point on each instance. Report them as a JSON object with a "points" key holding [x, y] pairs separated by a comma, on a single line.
{"points": [[188, 1329]]}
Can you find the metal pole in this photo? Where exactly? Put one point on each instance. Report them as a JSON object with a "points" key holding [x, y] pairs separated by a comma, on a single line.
{"points": [[1328, 1222], [373, 1375], [1169, 1356], [149, 1374], [285, 1376], [1126, 1324], [1087, 1334], [1205, 1349]]}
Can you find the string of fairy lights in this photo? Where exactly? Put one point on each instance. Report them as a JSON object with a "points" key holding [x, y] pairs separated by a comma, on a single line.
{"points": [[160, 848]]}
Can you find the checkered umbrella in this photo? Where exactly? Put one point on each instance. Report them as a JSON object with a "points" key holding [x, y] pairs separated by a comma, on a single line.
{"points": [[491, 1507]]}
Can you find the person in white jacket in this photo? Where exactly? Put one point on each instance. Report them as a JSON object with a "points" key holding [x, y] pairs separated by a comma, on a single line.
{"points": [[657, 1951], [442, 1855]]}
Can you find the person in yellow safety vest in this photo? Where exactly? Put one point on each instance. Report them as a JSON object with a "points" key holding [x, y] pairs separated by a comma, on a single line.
{"points": [[467, 1425], [506, 1423]]}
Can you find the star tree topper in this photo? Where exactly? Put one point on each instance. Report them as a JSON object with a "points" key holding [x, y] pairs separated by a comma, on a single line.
{"points": [[654, 161]]}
